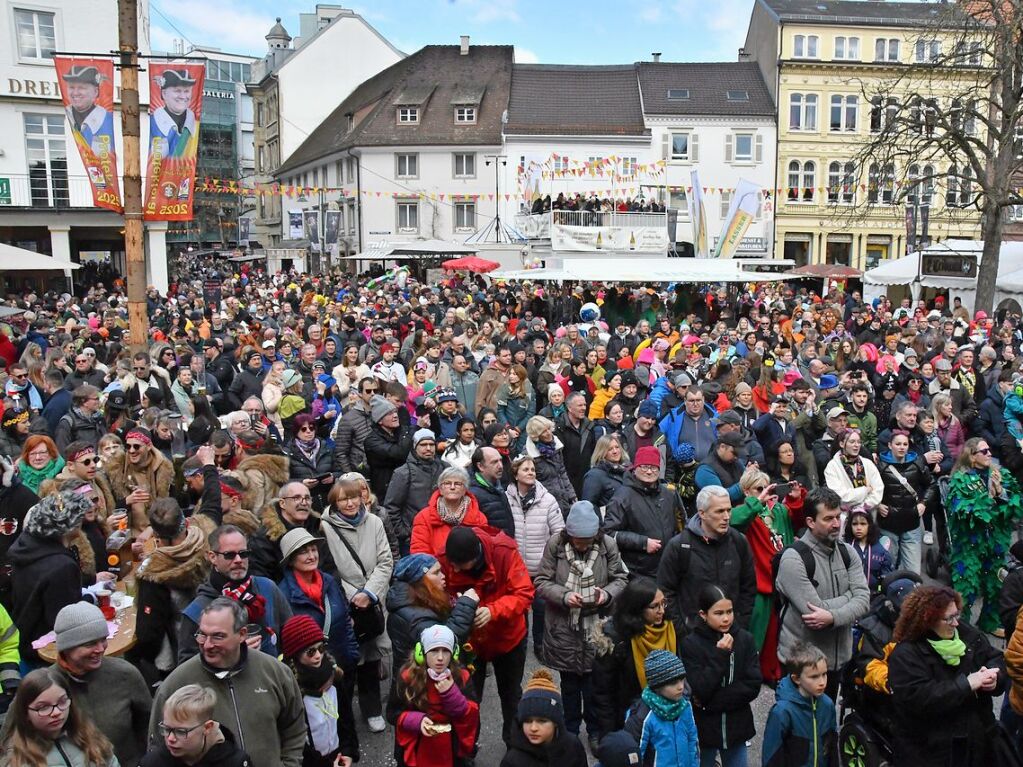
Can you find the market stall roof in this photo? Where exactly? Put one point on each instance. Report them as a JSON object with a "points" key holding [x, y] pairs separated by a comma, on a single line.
{"points": [[640, 270], [903, 271], [471, 264], [825, 271], [14, 259], [414, 249]]}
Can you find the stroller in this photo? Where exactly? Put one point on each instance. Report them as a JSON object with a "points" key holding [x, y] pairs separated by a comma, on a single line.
{"points": [[864, 737], [937, 561]]}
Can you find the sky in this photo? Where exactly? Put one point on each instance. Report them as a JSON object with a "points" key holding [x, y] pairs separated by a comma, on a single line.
{"points": [[589, 32]]}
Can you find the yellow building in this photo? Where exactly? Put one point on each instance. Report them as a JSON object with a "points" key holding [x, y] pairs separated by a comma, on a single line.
{"points": [[820, 59]]}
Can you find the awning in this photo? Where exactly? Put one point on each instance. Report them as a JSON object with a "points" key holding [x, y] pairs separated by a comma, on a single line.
{"points": [[14, 259], [414, 249], [641, 270]]}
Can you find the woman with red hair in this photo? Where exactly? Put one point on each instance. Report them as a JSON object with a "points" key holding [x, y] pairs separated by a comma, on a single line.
{"points": [[944, 676], [40, 460]]}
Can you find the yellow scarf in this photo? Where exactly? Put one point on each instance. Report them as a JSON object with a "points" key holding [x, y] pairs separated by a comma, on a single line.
{"points": [[653, 638]]}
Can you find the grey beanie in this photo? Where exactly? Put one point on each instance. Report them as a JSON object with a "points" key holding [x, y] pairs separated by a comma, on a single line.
{"points": [[57, 515], [582, 520], [77, 624], [423, 435], [381, 407]]}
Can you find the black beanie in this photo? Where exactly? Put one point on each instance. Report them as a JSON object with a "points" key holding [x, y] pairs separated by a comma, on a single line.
{"points": [[463, 546]]}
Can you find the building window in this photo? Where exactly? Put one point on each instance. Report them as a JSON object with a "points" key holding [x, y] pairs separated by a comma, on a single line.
{"points": [[886, 49], [465, 216], [803, 111], [465, 114], [349, 122], [316, 176], [1016, 212], [923, 115], [350, 170], [841, 183], [406, 165], [737, 95], [959, 191], [465, 165], [881, 186], [847, 48], [561, 163], [805, 46], [743, 143], [408, 215], [678, 94], [629, 166], [843, 112], [801, 180], [46, 150], [927, 51], [921, 185], [969, 53], [679, 146], [339, 172], [726, 203], [37, 34], [883, 113], [677, 199], [408, 115]]}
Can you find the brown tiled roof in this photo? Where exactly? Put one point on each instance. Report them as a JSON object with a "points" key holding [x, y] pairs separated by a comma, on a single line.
{"points": [[435, 77], [707, 86], [548, 99]]}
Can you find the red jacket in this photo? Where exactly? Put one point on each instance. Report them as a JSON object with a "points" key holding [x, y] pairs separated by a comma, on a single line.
{"points": [[437, 751], [504, 587], [430, 533]]}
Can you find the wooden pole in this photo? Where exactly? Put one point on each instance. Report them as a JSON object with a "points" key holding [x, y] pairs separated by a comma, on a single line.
{"points": [[135, 255]]}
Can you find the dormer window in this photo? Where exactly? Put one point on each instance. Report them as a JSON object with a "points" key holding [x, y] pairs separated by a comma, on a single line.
{"points": [[408, 115], [465, 115], [349, 122], [737, 95]]}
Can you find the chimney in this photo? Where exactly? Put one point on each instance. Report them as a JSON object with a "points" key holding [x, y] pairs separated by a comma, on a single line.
{"points": [[745, 55], [656, 56], [465, 45]]}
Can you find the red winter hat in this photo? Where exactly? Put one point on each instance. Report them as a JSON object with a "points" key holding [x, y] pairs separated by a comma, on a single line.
{"points": [[647, 456], [298, 633]]}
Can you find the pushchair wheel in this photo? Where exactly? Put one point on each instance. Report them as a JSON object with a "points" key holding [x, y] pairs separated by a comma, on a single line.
{"points": [[857, 746]]}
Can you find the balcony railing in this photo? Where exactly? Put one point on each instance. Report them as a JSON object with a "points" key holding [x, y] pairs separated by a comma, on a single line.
{"points": [[45, 191], [583, 230]]}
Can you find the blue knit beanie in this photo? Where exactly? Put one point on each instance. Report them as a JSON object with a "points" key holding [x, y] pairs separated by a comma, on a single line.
{"points": [[413, 567], [662, 667]]}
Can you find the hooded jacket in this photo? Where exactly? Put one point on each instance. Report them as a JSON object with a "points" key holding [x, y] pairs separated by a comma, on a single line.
{"points": [[638, 512], [386, 451], [900, 500], [258, 700], [74, 426], [566, 750], [800, 732], [409, 491], [225, 754], [839, 589], [535, 522], [602, 482], [662, 742], [46, 578], [265, 543]]}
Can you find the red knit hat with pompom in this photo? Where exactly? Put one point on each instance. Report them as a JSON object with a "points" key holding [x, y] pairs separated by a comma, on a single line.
{"points": [[299, 632]]}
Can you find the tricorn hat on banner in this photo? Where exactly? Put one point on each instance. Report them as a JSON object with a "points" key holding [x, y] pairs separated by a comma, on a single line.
{"points": [[174, 78], [83, 74]]}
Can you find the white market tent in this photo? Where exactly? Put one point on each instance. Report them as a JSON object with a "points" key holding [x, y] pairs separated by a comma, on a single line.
{"points": [[14, 259], [638, 270], [412, 250]]}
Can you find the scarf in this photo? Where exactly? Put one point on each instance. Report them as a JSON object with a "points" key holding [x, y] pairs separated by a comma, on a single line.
{"points": [[243, 592], [558, 410], [308, 447], [357, 520], [312, 679], [580, 579], [312, 587], [854, 469], [668, 710], [951, 650], [653, 638], [546, 449], [455, 517], [32, 478]]}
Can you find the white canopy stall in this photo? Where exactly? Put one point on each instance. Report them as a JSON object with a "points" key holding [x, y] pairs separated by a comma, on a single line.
{"points": [[638, 270]]}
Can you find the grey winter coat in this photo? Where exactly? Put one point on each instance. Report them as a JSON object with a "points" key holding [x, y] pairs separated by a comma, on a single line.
{"points": [[840, 590], [568, 648], [534, 524], [409, 491], [551, 472], [349, 444]]}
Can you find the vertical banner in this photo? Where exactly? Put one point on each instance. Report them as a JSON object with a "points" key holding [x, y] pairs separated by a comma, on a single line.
{"points": [[699, 215], [175, 109], [87, 89], [244, 231], [295, 225], [312, 229], [910, 229], [741, 212], [331, 225]]}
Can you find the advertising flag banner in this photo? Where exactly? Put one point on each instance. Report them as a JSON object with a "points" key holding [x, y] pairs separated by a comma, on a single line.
{"points": [[699, 215], [741, 213], [295, 225], [87, 90], [175, 109]]}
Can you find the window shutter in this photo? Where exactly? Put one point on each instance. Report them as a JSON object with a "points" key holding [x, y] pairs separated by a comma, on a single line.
{"points": [[694, 147], [758, 152], [728, 147], [666, 146]]}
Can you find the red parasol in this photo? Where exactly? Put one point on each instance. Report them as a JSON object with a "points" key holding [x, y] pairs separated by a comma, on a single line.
{"points": [[471, 264]]}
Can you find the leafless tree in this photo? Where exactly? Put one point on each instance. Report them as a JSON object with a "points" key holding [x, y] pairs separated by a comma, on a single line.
{"points": [[950, 120]]}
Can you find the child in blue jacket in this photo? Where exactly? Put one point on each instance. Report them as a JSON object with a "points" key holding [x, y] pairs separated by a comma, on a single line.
{"points": [[662, 720], [802, 730]]}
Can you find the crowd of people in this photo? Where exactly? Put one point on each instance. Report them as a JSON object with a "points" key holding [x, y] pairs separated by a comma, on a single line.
{"points": [[348, 498], [592, 203]]}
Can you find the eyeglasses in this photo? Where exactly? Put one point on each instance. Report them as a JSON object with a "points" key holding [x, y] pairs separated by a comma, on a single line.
{"points": [[951, 620], [179, 733], [133, 447], [648, 468], [316, 649], [141, 369], [202, 636], [232, 555], [39, 454], [47, 709], [298, 498], [984, 451], [655, 606], [452, 483]]}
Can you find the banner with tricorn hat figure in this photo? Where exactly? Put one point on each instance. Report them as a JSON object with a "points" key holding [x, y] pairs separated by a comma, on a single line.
{"points": [[87, 90], [175, 109]]}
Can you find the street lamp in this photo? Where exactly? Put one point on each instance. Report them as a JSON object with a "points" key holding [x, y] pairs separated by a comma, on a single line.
{"points": [[499, 161]]}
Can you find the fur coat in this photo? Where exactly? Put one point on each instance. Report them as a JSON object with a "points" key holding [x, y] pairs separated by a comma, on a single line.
{"points": [[261, 477]]}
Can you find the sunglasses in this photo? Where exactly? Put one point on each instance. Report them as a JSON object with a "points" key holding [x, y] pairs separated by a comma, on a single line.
{"points": [[316, 649], [985, 451], [133, 447], [307, 428], [231, 555]]}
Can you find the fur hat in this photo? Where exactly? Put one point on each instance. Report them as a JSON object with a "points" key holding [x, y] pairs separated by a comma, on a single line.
{"points": [[56, 515]]}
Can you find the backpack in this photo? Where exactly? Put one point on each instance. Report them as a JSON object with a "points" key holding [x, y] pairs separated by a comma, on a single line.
{"points": [[802, 548]]}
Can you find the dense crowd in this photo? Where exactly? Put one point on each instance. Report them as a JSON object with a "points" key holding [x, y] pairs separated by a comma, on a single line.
{"points": [[335, 497]]}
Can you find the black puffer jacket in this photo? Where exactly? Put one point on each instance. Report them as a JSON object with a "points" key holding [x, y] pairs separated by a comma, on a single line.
{"points": [[566, 750], [15, 501], [406, 621], [552, 474], [926, 690], [494, 504], [602, 482], [301, 468], [409, 491], [902, 514], [637, 512], [226, 754], [350, 442], [46, 578], [246, 384], [724, 684], [385, 452]]}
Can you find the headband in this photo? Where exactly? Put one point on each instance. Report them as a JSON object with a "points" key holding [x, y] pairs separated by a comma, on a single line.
{"points": [[80, 452], [229, 491], [18, 417], [139, 436]]}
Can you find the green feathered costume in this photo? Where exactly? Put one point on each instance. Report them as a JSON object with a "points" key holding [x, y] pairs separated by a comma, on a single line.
{"points": [[981, 530]]}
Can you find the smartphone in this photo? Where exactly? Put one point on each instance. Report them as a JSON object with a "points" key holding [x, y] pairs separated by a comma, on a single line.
{"points": [[322, 477], [783, 489]]}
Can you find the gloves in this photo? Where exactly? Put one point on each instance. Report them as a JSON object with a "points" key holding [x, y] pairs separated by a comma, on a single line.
{"points": [[7, 470]]}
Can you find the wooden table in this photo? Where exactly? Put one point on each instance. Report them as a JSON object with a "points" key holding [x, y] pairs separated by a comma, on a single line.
{"points": [[122, 641]]}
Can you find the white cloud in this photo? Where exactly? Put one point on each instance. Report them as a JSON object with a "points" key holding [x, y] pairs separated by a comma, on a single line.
{"points": [[525, 56], [727, 19], [650, 13], [226, 24]]}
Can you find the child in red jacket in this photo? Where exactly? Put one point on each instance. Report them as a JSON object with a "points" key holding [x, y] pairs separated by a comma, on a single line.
{"points": [[439, 722]]}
